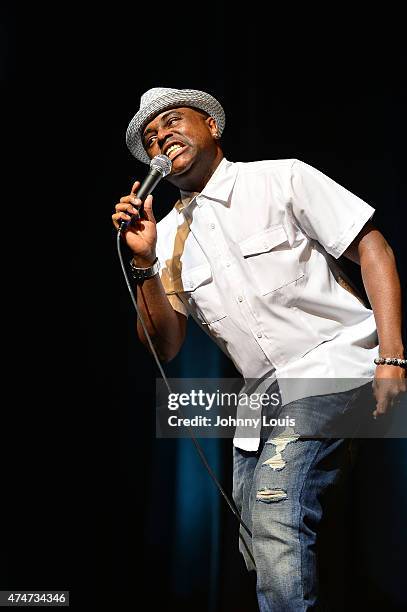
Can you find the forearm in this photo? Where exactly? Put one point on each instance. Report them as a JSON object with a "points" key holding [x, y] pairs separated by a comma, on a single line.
{"points": [[165, 327], [158, 315], [382, 284]]}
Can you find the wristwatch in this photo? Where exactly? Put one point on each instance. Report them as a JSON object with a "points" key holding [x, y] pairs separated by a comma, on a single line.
{"points": [[140, 274]]}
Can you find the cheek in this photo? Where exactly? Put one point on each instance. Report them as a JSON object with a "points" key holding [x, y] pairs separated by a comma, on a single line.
{"points": [[153, 150]]}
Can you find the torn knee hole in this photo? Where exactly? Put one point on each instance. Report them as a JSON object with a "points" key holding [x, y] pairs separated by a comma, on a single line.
{"points": [[271, 495], [280, 442]]}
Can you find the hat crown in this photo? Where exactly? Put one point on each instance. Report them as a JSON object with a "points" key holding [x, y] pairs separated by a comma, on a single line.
{"points": [[152, 94]]}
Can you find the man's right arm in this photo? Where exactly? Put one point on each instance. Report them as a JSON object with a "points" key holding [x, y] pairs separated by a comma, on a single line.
{"points": [[165, 326]]}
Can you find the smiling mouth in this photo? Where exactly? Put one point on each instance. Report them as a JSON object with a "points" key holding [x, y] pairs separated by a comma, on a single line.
{"points": [[174, 150]]}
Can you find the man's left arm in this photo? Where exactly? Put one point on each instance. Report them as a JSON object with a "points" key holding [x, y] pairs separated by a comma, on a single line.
{"points": [[381, 280]]}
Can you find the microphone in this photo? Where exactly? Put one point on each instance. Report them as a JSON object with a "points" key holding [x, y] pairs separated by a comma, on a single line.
{"points": [[160, 166]]}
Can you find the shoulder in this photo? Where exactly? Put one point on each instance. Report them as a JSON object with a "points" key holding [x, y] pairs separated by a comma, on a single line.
{"points": [[283, 173], [268, 166], [270, 171], [271, 177]]}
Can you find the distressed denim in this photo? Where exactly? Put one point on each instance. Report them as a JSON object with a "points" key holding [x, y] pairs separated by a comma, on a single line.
{"points": [[279, 491]]}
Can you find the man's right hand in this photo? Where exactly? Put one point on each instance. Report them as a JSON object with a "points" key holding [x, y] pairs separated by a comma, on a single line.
{"points": [[141, 234]]}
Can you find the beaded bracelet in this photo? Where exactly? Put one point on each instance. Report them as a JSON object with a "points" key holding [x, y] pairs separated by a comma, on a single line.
{"points": [[391, 361]]}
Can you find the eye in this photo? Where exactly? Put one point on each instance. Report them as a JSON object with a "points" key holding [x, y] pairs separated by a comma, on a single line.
{"points": [[150, 142], [172, 120]]}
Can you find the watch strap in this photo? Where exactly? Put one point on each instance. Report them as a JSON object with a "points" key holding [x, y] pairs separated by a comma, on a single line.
{"points": [[140, 274]]}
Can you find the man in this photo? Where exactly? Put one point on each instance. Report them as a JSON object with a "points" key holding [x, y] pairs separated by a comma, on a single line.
{"points": [[250, 252]]}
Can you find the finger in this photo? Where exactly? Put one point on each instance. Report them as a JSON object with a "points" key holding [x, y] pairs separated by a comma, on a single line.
{"points": [[126, 207], [136, 185], [129, 199], [381, 408], [378, 393], [376, 413], [118, 217], [148, 208]]}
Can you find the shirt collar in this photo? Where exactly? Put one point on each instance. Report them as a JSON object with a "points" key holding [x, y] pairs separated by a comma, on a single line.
{"points": [[219, 187]]}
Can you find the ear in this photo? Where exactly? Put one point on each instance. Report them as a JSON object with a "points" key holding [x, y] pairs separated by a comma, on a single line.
{"points": [[213, 128]]}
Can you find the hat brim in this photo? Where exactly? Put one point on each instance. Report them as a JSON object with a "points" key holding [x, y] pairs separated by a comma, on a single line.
{"points": [[185, 97]]}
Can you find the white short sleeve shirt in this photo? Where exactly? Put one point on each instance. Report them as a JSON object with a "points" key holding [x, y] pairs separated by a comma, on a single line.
{"points": [[252, 258]]}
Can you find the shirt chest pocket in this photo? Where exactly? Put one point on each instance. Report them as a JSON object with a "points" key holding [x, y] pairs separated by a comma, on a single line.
{"points": [[271, 261], [200, 295]]}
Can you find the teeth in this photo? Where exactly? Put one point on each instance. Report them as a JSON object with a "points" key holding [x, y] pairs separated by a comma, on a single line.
{"points": [[174, 147]]}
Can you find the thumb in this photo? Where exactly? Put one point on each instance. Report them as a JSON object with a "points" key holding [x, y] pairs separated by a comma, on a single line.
{"points": [[148, 208]]}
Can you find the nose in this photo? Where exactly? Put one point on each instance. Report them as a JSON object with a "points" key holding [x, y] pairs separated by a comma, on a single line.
{"points": [[162, 136]]}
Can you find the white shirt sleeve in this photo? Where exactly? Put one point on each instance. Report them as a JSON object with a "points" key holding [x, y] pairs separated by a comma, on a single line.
{"points": [[325, 210]]}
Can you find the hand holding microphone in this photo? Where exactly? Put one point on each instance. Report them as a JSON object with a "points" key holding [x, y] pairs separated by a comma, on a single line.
{"points": [[134, 213]]}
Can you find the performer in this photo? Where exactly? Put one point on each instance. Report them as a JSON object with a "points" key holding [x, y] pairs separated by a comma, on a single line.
{"points": [[249, 251]]}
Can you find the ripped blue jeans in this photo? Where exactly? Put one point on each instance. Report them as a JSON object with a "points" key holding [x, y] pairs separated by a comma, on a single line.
{"points": [[279, 492]]}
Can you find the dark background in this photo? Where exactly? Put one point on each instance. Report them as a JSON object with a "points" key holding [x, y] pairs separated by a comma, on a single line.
{"points": [[93, 502]]}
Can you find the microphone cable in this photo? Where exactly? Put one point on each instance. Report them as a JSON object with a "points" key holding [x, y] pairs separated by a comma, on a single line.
{"points": [[198, 447]]}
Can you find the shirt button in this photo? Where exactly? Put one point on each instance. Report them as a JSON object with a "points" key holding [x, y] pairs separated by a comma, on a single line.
{"points": [[228, 264], [259, 334], [240, 298], [212, 226]]}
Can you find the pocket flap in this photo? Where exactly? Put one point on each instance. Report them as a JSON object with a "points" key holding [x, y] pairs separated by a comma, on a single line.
{"points": [[263, 241], [195, 277]]}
